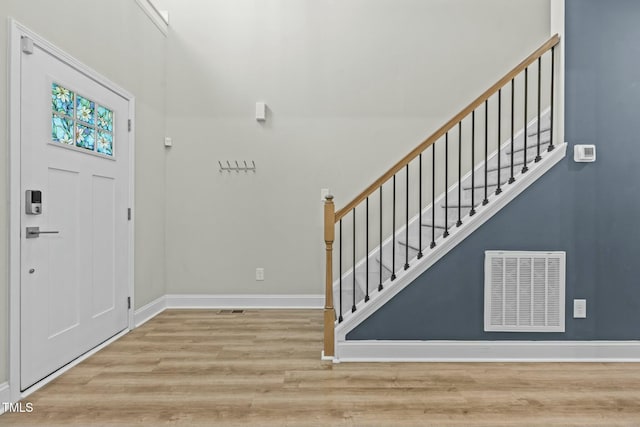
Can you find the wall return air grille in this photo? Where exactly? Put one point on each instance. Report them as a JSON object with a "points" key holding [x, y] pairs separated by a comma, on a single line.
{"points": [[524, 291]]}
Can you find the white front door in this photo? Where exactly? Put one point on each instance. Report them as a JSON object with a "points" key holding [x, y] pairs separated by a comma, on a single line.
{"points": [[74, 151]]}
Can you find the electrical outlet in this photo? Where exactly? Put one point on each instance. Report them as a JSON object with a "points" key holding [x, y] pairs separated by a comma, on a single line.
{"points": [[260, 274], [579, 308]]}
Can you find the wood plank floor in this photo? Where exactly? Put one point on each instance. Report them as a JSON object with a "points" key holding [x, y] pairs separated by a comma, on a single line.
{"points": [[262, 368]]}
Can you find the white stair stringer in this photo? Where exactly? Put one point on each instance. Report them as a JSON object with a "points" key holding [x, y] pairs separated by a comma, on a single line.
{"points": [[444, 245]]}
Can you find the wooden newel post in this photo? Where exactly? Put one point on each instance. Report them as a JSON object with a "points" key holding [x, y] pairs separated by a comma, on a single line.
{"points": [[329, 313]]}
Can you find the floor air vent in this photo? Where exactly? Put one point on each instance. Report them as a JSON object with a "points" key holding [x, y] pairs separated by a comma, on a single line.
{"points": [[524, 291]]}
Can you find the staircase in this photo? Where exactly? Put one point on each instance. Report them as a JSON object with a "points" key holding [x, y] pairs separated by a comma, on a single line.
{"points": [[438, 194]]}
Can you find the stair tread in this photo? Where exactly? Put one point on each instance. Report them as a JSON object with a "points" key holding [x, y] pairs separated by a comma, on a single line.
{"points": [[542, 129], [412, 247], [508, 165], [431, 225], [453, 206], [529, 147], [491, 184]]}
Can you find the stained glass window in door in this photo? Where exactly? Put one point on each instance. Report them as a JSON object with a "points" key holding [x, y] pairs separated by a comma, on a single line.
{"points": [[62, 129], [85, 110], [105, 143], [78, 121], [62, 100], [85, 137], [105, 118]]}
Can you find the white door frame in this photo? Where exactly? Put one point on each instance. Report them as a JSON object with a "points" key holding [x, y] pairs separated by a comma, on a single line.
{"points": [[16, 32]]}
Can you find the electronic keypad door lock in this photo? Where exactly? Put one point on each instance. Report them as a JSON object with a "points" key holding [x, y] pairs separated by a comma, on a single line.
{"points": [[33, 202]]}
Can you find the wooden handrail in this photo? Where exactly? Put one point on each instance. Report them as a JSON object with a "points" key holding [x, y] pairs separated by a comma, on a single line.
{"points": [[448, 126]]}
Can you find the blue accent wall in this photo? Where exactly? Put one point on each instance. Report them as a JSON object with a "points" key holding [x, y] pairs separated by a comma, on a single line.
{"points": [[591, 211]]}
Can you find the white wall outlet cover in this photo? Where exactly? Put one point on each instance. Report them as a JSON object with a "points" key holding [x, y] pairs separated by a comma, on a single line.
{"points": [[579, 308], [584, 153], [259, 273], [261, 111]]}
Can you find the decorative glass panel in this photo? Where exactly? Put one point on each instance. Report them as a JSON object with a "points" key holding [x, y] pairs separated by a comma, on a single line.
{"points": [[61, 100], [85, 110], [62, 130], [79, 122], [105, 143], [85, 137], [105, 118]]}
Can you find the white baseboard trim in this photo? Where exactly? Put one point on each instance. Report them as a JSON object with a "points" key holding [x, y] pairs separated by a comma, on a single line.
{"points": [[149, 311], [325, 358], [245, 301], [5, 396], [488, 351]]}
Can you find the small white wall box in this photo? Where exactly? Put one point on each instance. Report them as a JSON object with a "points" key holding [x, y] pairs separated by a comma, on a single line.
{"points": [[261, 111], [584, 153]]}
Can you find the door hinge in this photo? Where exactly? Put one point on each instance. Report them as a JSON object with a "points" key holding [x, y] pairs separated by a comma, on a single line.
{"points": [[129, 125], [129, 214], [128, 303]]}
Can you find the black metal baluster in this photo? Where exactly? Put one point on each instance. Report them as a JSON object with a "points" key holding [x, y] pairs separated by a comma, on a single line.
{"points": [[406, 248], [446, 185], [340, 272], [551, 147], [353, 272], [393, 234], [513, 87], [473, 163], [459, 223], [433, 196], [526, 123], [538, 158], [366, 252], [499, 189], [380, 287], [420, 206], [486, 150]]}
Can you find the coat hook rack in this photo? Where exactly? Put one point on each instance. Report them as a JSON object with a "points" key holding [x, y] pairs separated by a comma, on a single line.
{"points": [[244, 166]]}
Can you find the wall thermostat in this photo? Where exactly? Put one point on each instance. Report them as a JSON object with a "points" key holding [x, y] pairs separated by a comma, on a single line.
{"points": [[584, 153]]}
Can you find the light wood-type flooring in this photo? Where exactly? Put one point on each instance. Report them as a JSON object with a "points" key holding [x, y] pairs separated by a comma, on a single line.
{"points": [[263, 368]]}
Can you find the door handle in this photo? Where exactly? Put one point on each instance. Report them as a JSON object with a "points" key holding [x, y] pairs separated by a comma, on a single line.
{"points": [[34, 232]]}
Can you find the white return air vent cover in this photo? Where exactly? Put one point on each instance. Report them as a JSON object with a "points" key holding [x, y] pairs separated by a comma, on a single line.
{"points": [[524, 291]]}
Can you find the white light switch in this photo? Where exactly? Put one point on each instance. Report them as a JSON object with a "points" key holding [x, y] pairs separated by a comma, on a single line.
{"points": [[261, 111], [168, 142], [579, 308]]}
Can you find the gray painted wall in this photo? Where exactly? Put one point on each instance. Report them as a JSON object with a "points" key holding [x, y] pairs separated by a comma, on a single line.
{"points": [[352, 86], [589, 210]]}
